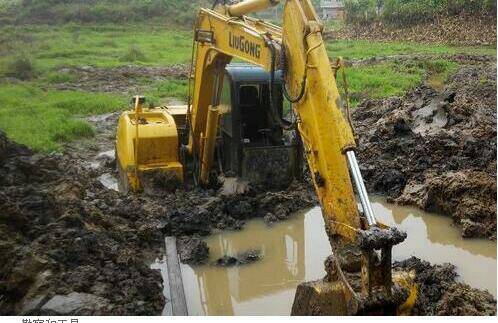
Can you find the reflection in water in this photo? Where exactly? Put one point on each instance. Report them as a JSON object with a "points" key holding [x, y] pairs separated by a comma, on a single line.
{"points": [[293, 251], [253, 288]]}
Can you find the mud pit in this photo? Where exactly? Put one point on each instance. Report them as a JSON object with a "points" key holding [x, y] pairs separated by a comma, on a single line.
{"points": [[70, 240], [436, 150]]}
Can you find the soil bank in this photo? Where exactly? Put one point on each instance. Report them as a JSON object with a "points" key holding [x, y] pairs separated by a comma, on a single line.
{"points": [[436, 149]]}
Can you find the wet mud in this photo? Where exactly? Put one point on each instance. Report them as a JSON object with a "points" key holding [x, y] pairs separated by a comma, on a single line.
{"points": [[73, 246], [64, 250], [243, 258], [436, 149], [124, 79], [440, 294]]}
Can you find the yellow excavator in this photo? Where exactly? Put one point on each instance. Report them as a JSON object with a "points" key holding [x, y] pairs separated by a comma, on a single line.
{"points": [[233, 125]]}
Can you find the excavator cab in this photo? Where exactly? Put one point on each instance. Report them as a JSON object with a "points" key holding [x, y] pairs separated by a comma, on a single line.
{"points": [[252, 144]]}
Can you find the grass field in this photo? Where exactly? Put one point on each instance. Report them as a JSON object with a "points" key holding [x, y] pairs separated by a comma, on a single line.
{"points": [[44, 119], [33, 112], [393, 79], [101, 46]]}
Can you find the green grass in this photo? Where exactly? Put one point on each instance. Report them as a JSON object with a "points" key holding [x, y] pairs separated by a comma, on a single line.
{"points": [[43, 120], [392, 79], [161, 91], [101, 46], [361, 49], [59, 77]]}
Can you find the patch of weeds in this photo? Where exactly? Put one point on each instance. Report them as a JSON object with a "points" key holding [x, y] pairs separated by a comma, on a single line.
{"points": [[21, 67], [133, 54], [163, 90], [394, 78], [437, 72], [380, 81], [66, 54], [73, 130], [108, 43], [361, 49], [43, 120], [60, 77]]}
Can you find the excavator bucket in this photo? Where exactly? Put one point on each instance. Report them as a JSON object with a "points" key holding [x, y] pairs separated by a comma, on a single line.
{"points": [[359, 279], [147, 148]]}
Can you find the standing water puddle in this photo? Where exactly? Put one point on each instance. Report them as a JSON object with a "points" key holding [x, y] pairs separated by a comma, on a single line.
{"points": [[294, 250]]}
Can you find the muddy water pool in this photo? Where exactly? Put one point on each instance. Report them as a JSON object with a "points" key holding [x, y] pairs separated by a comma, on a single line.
{"points": [[294, 251]]}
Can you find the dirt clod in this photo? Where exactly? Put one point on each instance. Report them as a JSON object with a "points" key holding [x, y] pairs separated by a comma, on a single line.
{"points": [[243, 258], [192, 250], [440, 294]]}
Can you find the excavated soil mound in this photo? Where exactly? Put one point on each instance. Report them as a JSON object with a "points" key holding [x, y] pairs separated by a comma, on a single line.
{"points": [[436, 150], [71, 246], [440, 294], [63, 251]]}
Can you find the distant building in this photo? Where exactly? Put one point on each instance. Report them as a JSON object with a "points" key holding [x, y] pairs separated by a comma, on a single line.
{"points": [[332, 9]]}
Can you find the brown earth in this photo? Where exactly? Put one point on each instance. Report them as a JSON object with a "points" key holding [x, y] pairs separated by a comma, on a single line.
{"points": [[122, 79], [440, 294], [436, 150], [468, 30], [72, 246]]}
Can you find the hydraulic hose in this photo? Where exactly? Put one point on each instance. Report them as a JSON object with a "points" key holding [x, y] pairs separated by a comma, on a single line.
{"points": [[282, 122]]}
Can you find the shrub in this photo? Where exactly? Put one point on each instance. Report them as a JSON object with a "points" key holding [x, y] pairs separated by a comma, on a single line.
{"points": [[133, 54], [21, 68]]}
